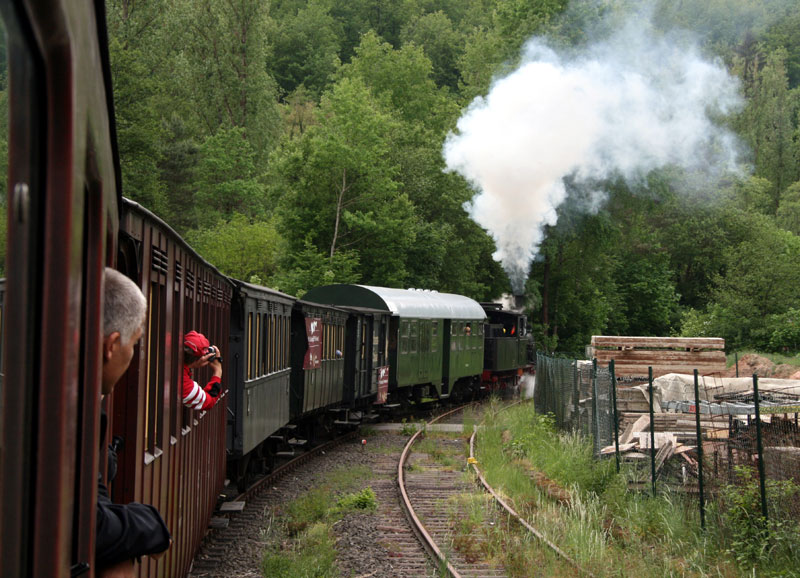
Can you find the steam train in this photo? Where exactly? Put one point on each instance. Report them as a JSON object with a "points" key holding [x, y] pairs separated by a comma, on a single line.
{"points": [[292, 366]]}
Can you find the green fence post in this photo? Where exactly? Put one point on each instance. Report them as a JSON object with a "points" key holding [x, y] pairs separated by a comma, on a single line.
{"points": [[576, 410], [595, 425], [699, 450], [652, 432], [616, 416], [762, 478]]}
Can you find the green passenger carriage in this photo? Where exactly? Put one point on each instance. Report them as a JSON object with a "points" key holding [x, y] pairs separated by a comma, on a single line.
{"points": [[435, 344]]}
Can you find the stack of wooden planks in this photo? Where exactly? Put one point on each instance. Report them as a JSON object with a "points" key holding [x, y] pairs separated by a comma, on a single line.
{"points": [[633, 355]]}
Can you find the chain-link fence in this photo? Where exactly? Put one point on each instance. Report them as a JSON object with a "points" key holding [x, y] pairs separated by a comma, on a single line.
{"points": [[578, 394], [746, 464]]}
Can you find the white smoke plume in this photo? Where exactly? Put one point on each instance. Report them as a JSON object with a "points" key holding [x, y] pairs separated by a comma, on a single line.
{"points": [[634, 102]]}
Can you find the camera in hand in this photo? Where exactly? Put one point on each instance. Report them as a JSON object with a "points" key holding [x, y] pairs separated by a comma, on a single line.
{"points": [[215, 350]]}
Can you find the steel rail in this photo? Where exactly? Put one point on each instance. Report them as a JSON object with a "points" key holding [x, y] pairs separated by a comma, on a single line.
{"points": [[422, 534], [516, 516], [284, 469]]}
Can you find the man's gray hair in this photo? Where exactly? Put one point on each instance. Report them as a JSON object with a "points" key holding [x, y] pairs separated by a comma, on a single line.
{"points": [[124, 308]]}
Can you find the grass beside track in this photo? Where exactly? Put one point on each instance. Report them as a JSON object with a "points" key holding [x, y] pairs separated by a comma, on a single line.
{"points": [[309, 549], [584, 506]]}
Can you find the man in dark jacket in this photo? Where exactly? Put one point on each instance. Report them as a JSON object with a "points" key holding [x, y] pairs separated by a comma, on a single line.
{"points": [[124, 532]]}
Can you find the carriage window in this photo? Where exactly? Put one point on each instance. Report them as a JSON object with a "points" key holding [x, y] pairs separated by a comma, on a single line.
{"points": [[404, 337], [3, 192], [376, 344], [435, 336], [155, 366], [259, 360], [412, 343], [273, 338], [249, 341], [284, 342], [265, 345]]}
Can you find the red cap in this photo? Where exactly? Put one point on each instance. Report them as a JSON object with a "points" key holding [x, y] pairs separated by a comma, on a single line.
{"points": [[197, 342]]}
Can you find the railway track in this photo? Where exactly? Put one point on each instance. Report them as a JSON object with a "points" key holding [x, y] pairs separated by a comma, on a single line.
{"points": [[432, 518], [436, 496], [430, 488]]}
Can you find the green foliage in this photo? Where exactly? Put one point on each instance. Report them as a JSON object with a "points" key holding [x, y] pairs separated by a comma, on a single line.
{"points": [[772, 544], [309, 268], [226, 178], [325, 121], [305, 49], [239, 247], [313, 555], [788, 215], [363, 500], [442, 44], [785, 327], [138, 129]]}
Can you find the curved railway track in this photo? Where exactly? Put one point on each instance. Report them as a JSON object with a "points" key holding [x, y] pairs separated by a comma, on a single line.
{"points": [[422, 496]]}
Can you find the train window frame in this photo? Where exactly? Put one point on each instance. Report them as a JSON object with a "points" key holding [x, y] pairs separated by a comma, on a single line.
{"points": [[273, 332], [404, 337], [249, 332], [259, 371]]}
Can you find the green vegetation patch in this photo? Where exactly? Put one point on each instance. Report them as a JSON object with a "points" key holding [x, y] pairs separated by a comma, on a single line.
{"points": [[309, 549], [585, 507], [311, 555]]}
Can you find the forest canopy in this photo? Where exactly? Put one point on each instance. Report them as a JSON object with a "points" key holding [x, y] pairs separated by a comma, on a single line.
{"points": [[300, 142]]}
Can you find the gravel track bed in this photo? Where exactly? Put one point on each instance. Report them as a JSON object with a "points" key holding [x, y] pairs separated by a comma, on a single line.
{"points": [[375, 544]]}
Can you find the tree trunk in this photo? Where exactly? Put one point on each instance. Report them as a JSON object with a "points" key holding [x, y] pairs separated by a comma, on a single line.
{"points": [[339, 203]]}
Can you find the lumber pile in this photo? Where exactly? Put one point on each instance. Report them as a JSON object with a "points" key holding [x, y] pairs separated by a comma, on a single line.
{"points": [[674, 435], [633, 355]]}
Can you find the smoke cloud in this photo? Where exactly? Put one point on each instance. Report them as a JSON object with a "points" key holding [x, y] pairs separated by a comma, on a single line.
{"points": [[634, 102]]}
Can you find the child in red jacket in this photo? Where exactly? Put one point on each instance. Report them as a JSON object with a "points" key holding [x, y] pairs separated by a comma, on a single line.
{"points": [[198, 352]]}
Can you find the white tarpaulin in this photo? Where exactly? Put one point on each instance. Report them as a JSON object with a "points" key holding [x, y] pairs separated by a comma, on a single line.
{"points": [[680, 387]]}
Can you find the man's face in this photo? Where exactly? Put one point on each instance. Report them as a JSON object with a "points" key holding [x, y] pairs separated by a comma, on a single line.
{"points": [[116, 358]]}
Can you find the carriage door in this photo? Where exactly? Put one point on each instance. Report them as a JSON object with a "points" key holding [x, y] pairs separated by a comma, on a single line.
{"points": [[364, 355]]}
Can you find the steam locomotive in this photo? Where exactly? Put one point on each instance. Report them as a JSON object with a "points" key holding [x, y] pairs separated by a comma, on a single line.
{"points": [[293, 367]]}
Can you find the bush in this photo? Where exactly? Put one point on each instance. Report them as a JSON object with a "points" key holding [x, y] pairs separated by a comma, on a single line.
{"points": [[773, 543], [363, 500]]}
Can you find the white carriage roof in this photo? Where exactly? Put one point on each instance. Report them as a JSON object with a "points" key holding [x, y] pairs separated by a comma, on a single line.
{"points": [[412, 303]]}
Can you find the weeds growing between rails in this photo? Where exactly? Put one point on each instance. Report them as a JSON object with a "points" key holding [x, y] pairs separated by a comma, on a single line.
{"points": [[582, 504]]}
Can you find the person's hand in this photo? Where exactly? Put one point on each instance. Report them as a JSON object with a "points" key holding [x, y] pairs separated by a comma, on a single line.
{"points": [[216, 367], [125, 569], [204, 360]]}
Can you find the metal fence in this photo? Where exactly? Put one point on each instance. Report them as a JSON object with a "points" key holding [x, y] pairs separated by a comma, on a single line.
{"points": [[747, 459]]}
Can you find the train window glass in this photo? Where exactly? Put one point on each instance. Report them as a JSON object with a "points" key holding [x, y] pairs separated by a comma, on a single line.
{"points": [[155, 366], [266, 344], [3, 181], [258, 344], [412, 342], [274, 342], [280, 331], [364, 340], [249, 341], [404, 337], [284, 341], [327, 341], [269, 332]]}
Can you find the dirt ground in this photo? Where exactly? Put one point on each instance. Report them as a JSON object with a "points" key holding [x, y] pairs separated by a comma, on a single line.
{"points": [[752, 363]]}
